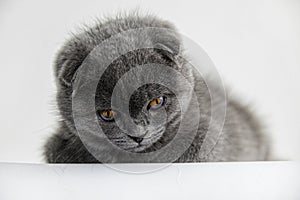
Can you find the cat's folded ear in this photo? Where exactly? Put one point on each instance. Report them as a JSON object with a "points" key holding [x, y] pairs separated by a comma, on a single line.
{"points": [[168, 40], [73, 53], [68, 60]]}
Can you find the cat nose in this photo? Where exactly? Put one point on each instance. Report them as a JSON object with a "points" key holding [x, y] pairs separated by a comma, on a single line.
{"points": [[136, 139], [141, 122]]}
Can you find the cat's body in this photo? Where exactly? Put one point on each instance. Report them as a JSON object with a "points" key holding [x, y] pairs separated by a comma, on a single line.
{"points": [[241, 139]]}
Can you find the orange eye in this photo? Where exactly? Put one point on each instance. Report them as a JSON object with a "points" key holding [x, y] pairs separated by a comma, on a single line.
{"points": [[107, 115], [157, 103]]}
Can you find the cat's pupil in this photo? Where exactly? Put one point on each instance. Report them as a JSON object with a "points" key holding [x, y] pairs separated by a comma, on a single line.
{"points": [[107, 115], [156, 103]]}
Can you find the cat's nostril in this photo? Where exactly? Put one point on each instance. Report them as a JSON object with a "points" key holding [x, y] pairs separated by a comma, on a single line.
{"points": [[136, 139]]}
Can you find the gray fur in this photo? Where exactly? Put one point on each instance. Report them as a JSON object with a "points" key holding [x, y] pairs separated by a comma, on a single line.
{"points": [[242, 138]]}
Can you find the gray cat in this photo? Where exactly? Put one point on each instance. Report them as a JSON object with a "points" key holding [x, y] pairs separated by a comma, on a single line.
{"points": [[241, 138]]}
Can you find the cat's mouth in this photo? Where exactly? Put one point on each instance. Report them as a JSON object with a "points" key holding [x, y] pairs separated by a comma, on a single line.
{"points": [[148, 140]]}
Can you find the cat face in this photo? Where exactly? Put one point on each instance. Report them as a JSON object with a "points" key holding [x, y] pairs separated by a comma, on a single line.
{"points": [[146, 121], [153, 109]]}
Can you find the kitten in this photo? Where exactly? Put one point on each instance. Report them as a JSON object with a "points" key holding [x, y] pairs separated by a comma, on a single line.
{"points": [[241, 139]]}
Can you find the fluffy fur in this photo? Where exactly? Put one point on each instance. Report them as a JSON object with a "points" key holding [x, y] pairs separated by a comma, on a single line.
{"points": [[242, 138]]}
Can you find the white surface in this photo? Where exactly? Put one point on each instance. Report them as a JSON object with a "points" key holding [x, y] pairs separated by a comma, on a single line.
{"points": [[255, 45], [265, 181]]}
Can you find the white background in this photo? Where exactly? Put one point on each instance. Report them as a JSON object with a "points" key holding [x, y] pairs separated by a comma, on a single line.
{"points": [[255, 45], [213, 181]]}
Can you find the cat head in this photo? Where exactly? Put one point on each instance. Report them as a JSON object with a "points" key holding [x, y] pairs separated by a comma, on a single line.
{"points": [[154, 109]]}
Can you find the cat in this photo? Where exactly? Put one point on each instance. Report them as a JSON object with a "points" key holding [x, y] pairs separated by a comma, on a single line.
{"points": [[242, 137]]}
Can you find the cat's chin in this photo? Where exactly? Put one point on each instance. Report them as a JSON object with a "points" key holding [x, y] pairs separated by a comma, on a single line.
{"points": [[139, 148]]}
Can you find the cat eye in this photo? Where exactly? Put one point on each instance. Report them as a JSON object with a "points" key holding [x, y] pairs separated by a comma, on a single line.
{"points": [[107, 115], [156, 103]]}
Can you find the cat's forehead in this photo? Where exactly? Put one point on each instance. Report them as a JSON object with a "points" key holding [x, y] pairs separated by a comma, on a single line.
{"points": [[139, 95], [128, 69], [127, 78]]}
